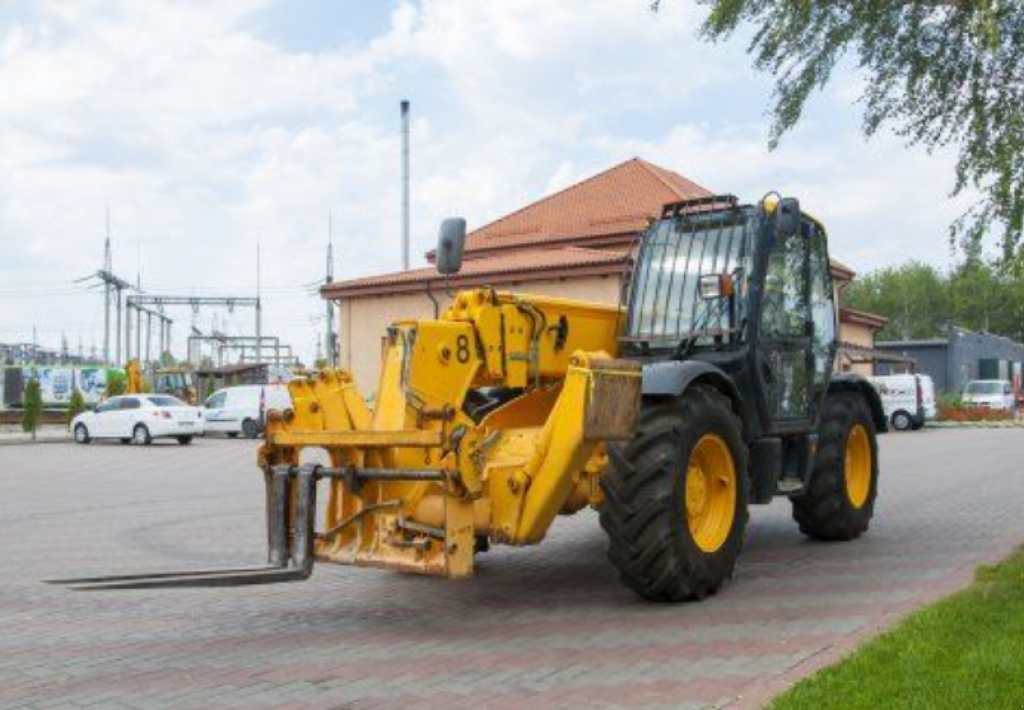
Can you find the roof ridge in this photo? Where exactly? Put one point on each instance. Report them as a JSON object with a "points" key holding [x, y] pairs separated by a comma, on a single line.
{"points": [[657, 171], [555, 194]]}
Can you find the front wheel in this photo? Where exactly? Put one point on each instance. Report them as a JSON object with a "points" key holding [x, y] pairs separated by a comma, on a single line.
{"points": [[82, 434], [250, 429], [840, 500], [141, 435], [184, 440], [902, 421], [676, 498]]}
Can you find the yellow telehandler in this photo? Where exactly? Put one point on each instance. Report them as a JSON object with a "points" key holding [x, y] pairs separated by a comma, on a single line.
{"points": [[711, 390]]}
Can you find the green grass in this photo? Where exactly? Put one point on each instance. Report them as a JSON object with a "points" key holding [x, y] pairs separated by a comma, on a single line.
{"points": [[966, 651]]}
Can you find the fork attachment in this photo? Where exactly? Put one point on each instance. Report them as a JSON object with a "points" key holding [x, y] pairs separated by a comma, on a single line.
{"points": [[291, 514]]}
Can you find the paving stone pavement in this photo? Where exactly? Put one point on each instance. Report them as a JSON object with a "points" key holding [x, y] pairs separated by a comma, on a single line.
{"points": [[545, 627]]}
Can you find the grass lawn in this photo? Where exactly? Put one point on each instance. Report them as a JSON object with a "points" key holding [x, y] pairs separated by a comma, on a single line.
{"points": [[966, 651]]}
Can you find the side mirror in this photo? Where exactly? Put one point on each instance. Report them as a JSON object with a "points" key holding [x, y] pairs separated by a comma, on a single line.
{"points": [[713, 286], [450, 243], [787, 217]]}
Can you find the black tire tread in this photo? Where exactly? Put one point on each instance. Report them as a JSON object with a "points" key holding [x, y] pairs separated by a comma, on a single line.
{"points": [[824, 511], [641, 511]]}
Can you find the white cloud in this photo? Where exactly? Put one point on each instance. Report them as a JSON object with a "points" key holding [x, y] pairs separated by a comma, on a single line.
{"points": [[205, 137]]}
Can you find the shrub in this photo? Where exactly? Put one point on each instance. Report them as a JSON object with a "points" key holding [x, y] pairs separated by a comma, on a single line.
{"points": [[33, 411], [76, 406]]}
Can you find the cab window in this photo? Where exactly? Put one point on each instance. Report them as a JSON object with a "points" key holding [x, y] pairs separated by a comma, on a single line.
{"points": [[216, 401]]}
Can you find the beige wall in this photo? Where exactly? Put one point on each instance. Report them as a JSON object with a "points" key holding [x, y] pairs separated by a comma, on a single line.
{"points": [[362, 321], [855, 334]]}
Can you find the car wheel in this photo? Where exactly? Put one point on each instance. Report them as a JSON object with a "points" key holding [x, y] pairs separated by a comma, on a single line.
{"points": [[232, 434], [250, 429], [184, 440], [901, 421], [126, 440], [141, 435], [82, 434]]}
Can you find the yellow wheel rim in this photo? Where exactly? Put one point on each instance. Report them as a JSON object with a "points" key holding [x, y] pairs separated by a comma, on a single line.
{"points": [[710, 493], [858, 466]]}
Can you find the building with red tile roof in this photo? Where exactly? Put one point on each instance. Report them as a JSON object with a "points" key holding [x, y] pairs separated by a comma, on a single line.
{"points": [[573, 243]]}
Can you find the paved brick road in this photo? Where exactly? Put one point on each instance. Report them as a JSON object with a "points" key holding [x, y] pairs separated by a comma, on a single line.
{"points": [[548, 627]]}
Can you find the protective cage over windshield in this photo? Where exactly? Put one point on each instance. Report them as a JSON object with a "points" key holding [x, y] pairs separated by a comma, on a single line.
{"points": [[667, 303]]}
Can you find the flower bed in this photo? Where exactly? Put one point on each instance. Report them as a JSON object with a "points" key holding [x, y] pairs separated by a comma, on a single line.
{"points": [[947, 413]]}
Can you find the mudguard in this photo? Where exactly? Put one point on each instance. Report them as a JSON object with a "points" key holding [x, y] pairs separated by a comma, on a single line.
{"points": [[672, 378]]}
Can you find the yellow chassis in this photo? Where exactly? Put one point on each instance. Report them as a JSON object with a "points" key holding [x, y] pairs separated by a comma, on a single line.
{"points": [[415, 482]]}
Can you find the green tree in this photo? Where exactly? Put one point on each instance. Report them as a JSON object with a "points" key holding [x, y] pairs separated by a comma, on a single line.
{"points": [[117, 383], [915, 297], [76, 406], [33, 412], [938, 73], [982, 298]]}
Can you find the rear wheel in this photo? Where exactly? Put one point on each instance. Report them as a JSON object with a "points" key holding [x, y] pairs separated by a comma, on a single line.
{"points": [[250, 429], [232, 434], [676, 498], [82, 434], [902, 421], [184, 440], [141, 435], [840, 500]]}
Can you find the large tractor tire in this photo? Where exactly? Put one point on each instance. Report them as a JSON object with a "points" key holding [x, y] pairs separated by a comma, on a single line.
{"points": [[675, 506], [840, 500]]}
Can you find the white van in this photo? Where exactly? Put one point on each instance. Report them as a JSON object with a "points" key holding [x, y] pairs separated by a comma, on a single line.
{"points": [[236, 410], [908, 400]]}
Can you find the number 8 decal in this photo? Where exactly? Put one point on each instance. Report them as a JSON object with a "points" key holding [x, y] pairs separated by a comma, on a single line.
{"points": [[462, 349]]}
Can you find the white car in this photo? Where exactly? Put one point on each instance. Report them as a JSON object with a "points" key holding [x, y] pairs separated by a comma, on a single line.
{"points": [[242, 409], [139, 418], [908, 400], [991, 394]]}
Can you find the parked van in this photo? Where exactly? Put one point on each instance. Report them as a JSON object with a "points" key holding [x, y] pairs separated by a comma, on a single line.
{"points": [[237, 410], [908, 400]]}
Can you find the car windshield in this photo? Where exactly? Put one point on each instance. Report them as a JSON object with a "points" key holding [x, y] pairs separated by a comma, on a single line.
{"points": [[164, 401], [984, 388], [666, 304]]}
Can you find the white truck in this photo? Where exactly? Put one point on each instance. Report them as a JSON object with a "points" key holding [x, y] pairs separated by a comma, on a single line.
{"points": [[908, 400]]}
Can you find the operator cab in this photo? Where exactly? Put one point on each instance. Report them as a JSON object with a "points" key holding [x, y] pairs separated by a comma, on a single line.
{"points": [[746, 289]]}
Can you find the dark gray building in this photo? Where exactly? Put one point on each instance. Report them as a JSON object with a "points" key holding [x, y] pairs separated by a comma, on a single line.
{"points": [[960, 356]]}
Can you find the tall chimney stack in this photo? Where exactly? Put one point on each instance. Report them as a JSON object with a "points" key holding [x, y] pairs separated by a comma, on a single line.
{"points": [[405, 185]]}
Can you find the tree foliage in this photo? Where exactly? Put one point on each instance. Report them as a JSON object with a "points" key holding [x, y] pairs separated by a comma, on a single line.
{"points": [[938, 73], [117, 383], [32, 414], [920, 301]]}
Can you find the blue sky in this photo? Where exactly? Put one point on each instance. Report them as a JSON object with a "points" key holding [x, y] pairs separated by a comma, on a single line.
{"points": [[209, 127]]}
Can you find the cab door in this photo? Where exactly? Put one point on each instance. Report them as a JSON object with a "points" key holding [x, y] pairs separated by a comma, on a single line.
{"points": [[797, 328]]}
